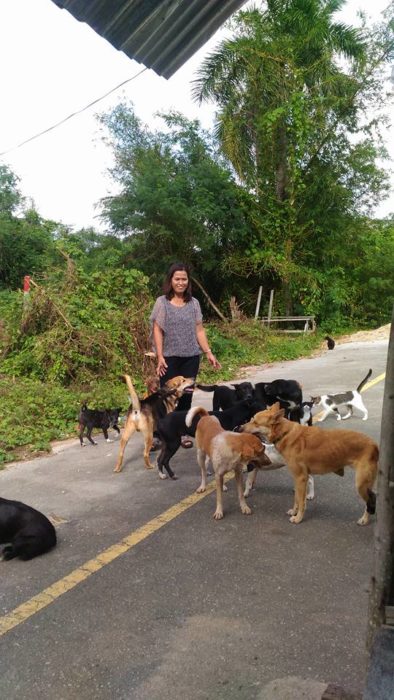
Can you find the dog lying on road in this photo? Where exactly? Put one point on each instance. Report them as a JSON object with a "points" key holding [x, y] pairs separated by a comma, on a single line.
{"points": [[225, 397], [143, 414], [227, 451], [312, 450], [90, 418], [172, 427], [25, 531]]}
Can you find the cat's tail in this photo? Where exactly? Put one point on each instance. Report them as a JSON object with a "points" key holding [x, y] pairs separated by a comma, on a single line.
{"points": [[364, 381]]}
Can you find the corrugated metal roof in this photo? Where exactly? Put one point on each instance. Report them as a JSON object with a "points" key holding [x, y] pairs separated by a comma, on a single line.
{"points": [[160, 34]]}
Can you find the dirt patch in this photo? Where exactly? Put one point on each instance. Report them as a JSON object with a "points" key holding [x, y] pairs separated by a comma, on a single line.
{"points": [[382, 333]]}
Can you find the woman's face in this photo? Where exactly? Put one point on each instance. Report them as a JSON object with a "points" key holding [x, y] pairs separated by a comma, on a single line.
{"points": [[179, 281]]}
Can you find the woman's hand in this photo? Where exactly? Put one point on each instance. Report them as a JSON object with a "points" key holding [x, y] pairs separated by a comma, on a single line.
{"points": [[161, 368], [213, 361]]}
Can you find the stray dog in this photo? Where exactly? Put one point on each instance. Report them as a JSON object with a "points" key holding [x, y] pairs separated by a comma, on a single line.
{"points": [[225, 397], [227, 451], [172, 427], [350, 399], [91, 418], [25, 531], [143, 414], [312, 450], [287, 391], [276, 462]]}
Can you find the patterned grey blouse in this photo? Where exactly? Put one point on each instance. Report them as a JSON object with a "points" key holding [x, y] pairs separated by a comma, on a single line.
{"points": [[178, 324]]}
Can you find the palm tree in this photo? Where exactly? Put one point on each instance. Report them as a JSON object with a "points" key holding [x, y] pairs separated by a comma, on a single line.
{"points": [[276, 73]]}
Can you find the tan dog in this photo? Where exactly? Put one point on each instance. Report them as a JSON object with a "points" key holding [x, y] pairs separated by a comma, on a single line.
{"points": [[311, 450], [143, 414], [227, 451]]}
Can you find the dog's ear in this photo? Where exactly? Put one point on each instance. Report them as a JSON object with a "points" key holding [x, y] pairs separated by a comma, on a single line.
{"points": [[279, 413]]}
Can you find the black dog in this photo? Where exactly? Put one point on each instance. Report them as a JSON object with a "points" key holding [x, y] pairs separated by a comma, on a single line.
{"points": [[25, 531], [287, 391], [91, 418], [173, 426], [225, 397]]}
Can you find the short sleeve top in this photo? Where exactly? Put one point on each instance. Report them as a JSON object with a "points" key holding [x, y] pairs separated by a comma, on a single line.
{"points": [[178, 324]]}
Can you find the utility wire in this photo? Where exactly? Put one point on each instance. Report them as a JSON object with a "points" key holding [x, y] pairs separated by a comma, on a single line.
{"points": [[79, 111]]}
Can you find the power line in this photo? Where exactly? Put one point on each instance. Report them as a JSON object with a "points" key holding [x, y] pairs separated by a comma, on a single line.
{"points": [[79, 111]]}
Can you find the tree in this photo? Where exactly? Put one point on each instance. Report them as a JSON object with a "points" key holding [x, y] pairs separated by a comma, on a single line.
{"points": [[178, 200], [10, 197], [26, 241], [286, 112]]}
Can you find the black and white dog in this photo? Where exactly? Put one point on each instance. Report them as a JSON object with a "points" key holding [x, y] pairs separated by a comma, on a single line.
{"points": [[25, 531], [287, 391], [92, 418]]}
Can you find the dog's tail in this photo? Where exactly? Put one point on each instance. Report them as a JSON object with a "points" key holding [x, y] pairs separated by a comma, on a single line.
{"points": [[197, 410], [207, 387], [135, 402], [364, 381]]}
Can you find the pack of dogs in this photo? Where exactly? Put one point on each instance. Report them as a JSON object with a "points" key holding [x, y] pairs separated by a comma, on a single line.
{"points": [[251, 428]]}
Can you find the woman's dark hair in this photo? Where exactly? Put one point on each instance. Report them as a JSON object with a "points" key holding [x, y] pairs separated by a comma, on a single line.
{"points": [[167, 286]]}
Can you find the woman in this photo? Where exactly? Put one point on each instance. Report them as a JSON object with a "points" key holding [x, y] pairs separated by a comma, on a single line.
{"points": [[178, 333]]}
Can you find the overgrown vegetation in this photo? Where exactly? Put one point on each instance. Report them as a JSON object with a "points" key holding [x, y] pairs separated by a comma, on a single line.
{"points": [[44, 380]]}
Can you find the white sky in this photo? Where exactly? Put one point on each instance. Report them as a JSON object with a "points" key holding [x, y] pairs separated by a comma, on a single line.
{"points": [[53, 65]]}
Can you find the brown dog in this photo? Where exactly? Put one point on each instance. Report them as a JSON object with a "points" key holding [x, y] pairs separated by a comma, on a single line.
{"points": [[227, 451], [311, 450], [143, 414]]}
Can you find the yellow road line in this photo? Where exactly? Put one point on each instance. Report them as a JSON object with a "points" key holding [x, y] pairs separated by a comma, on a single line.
{"points": [[373, 382], [49, 595], [57, 589]]}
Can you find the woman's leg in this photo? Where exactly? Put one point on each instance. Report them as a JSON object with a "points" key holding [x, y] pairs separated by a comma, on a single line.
{"points": [[185, 367]]}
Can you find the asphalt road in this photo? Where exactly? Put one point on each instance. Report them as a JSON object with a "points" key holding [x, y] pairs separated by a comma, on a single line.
{"points": [[187, 607]]}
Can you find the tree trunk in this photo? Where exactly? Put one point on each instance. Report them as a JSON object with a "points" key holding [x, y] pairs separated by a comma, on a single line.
{"points": [[281, 166], [281, 185], [382, 585], [209, 300]]}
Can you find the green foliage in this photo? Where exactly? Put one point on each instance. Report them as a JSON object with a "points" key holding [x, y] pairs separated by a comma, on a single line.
{"points": [[10, 196], [36, 413], [179, 201], [287, 115], [87, 327], [244, 343]]}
